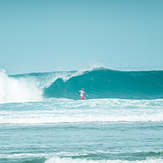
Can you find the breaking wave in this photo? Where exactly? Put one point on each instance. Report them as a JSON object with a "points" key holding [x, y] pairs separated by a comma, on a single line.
{"points": [[98, 83]]}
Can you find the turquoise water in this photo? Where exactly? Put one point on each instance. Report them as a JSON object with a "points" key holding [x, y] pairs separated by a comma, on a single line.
{"points": [[105, 83], [120, 124]]}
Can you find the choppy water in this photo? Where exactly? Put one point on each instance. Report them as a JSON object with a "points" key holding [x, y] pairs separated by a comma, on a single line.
{"points": [[121, 124]]}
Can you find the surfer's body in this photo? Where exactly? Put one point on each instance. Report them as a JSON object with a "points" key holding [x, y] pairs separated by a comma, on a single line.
{"points": [[82, 92]]}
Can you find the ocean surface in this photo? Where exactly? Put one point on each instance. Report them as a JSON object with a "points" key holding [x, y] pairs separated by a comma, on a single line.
{"points": [[43, 120]]}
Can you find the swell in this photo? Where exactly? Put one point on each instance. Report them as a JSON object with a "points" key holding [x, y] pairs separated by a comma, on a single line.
{"points": [[105, 83]]}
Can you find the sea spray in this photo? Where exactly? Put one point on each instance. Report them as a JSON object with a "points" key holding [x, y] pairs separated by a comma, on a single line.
{"points": [[18, 90]]}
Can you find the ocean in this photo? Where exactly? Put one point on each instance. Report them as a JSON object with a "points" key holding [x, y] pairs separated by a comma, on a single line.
{"points": [[43, 120]]}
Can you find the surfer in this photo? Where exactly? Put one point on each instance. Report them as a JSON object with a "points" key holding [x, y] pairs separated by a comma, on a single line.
{"points": [[82, 92]]}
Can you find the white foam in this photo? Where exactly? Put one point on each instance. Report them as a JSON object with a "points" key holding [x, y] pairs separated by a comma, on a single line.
{"points": [[18, 90], [69, 160], [22, 155], [71, 111]]}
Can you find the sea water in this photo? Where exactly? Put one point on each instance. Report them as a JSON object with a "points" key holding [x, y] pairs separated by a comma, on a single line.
{"points": [[43, 120]]}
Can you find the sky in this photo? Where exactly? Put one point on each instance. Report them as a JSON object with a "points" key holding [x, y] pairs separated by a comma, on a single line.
{"points": [[63, 35]]}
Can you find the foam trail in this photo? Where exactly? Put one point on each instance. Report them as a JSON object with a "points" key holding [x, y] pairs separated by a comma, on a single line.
{"points": [[69, 160], [72, 111]]}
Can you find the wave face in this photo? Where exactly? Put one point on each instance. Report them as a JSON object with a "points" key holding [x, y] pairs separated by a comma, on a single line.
{"points": [[105, 83], [98, 83]]}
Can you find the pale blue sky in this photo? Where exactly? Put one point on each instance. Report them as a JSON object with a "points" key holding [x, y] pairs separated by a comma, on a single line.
{"points": [[50, 35]]}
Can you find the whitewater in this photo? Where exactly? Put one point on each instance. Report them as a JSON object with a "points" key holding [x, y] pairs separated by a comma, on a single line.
{"points": [[43, 120]]}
